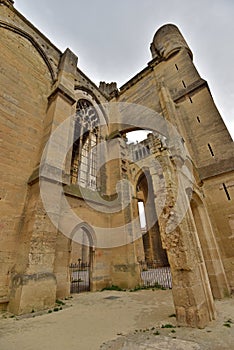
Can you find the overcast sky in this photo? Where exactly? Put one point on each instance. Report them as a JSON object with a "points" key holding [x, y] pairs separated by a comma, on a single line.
{"points": [[111, 38]]}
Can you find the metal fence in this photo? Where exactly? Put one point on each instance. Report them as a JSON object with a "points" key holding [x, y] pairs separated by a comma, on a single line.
{"points": [[152, 275], [80, 277]]}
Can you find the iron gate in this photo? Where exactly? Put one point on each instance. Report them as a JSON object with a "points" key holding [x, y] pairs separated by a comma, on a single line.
{"points": [[80, 277], [152, 274]]}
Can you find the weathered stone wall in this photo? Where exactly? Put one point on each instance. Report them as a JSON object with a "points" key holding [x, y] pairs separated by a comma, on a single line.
{"points": [[171, 85], [25, 83], [221, 213]]}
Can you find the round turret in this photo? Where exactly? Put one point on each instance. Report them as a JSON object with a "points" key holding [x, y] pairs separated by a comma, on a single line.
{"points": [[168, 40]]}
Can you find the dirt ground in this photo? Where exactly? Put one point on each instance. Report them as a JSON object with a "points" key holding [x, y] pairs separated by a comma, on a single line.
{"points": [[116, 320]]}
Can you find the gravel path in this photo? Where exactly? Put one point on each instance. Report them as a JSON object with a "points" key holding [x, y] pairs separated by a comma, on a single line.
{"points": [[115, 320]]}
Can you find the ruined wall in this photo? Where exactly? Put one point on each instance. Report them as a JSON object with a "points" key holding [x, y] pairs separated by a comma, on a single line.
{"points": [[172, 87]]}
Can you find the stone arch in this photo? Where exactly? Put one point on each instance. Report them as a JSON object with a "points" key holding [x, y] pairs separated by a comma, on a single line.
{"points": [[152, 244], [210, 249], [63, 257], [140, 173], [85, 253], [88, 230], [92, 94], [28, 37]]}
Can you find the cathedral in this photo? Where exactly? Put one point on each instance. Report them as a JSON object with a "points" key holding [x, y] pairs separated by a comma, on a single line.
{"points": [[75, 192]]}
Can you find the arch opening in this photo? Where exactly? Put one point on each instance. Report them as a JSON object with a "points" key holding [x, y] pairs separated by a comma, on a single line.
{"points": [[210, 250], [81, 260], [152, 244]]}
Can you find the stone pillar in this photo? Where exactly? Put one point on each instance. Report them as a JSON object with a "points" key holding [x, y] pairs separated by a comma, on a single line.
{"points": [[62, 108], [34, 282], [191, 289], [125, 270], [61, 265]]}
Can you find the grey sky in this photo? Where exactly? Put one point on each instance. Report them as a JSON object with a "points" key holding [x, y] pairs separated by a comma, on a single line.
{"points": [[112, 38]]}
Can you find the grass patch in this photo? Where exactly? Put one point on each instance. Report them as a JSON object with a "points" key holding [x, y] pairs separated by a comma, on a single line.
{"points": [[153, 287], [167, 325], [113, 287], [228, 323]]}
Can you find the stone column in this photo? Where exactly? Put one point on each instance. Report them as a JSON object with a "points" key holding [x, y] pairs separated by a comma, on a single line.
{"points": [[34, 282], [191, 289], [125, 270]]}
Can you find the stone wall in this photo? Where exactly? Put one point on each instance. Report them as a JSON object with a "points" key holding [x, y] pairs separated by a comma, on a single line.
{"points": [[25, 83]]}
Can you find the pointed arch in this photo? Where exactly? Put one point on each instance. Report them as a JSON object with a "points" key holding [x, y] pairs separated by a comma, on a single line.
{"points": [[209, 247], [85, 140], [92, 239]]}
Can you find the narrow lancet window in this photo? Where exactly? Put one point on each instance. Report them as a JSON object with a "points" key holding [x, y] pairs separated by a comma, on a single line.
{"points": [[226, 192], [84, 151], [211, 150]]}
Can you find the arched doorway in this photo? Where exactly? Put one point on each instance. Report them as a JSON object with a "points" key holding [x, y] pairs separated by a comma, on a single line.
{"points": [[210, 249], [152, 243], [155, 267], [81, 259]]}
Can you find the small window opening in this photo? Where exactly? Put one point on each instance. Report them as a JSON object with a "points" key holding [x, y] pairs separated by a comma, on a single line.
{"points": [[211, 151], [184, 84], [198, 119], [142, 218], [226, 191]]}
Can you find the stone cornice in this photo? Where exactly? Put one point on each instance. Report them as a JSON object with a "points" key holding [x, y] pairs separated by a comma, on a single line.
{"points": [[64, 92], [218, 168], [189, 90]]}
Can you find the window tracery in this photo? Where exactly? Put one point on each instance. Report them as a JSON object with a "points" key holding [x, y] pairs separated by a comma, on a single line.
{"points": [[84, 152]]}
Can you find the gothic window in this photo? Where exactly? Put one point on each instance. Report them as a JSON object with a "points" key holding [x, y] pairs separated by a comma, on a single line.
{"points": [[84, 152]]}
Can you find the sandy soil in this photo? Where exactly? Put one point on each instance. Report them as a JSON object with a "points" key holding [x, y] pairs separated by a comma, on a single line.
{"points": [[115, 320]]}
